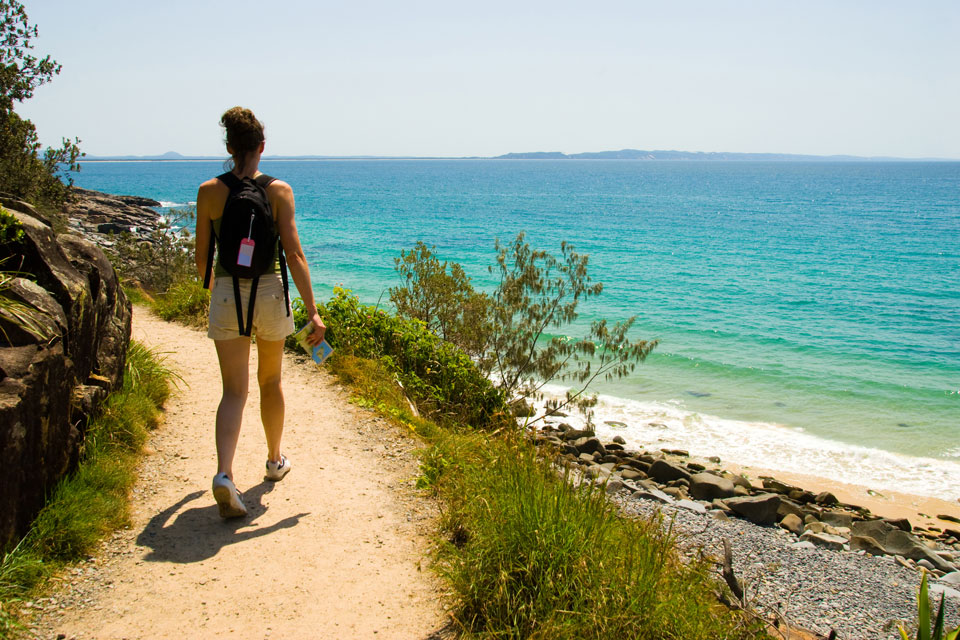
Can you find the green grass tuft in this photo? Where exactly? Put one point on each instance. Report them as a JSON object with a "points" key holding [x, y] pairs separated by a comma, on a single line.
{"points": [[530, 555], [185, 301]]}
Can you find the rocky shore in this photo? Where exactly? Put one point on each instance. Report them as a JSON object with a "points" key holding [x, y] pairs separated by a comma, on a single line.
{"points": [[97, 215], [806, 557]]}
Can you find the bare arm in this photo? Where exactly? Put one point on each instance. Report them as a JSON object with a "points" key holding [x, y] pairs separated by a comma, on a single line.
{"points": [[296, 261], [206, 204]]}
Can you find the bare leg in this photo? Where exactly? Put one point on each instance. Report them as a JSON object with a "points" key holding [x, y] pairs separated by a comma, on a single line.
{"points": [[234, 356], [270, 357]]}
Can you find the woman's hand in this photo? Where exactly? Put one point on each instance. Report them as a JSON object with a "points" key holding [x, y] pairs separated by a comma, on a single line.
{"points": [[316, 336]]}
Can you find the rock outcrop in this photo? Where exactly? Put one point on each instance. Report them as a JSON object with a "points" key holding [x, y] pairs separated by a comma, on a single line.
{"points": [[96, 215], [54, 371]]}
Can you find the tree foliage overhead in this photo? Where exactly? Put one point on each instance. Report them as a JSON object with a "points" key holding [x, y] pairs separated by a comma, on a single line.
{"points": [[517, 334], [20, 72], [25, 172]]}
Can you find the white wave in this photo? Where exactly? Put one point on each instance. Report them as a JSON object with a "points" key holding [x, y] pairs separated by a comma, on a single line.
{"points": [[169, 205], [669, 425]]}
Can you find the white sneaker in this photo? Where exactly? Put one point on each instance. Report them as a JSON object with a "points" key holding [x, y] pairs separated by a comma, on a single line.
{"points": [[276, 470], [227, 497]]}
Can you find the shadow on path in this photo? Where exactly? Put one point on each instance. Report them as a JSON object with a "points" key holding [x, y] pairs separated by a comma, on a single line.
{"points": [[199, 533]]}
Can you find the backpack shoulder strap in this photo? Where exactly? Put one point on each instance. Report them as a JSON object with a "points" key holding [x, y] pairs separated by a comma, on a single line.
{"points": [[283, 276], [209, 270], [264, 181], [229, 179]]}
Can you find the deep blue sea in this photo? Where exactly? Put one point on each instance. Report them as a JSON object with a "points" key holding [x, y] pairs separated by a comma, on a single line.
{"points": [[808, 313]]}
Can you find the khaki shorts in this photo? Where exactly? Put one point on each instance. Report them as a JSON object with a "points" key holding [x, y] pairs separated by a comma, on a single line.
{"points": [[270, 318]]}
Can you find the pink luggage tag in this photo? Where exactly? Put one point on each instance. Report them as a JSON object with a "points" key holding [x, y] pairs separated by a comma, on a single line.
{"points": [[245, 257]]}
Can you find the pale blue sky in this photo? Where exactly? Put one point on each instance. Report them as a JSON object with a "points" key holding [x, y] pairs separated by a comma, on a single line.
{"points": [[451, 78]]}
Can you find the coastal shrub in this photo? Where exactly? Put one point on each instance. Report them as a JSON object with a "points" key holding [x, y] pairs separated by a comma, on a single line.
{"points": [[440, 378], [25, 172], [445, 302], [161, 262], [161, 272], [924, 632], [516, 334], [93, 500]]}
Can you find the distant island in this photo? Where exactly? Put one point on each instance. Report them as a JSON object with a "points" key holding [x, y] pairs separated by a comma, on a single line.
{"points": [[623, 154]]}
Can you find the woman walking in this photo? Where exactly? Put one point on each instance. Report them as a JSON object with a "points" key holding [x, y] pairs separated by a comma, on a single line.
{"points": [[269, 317]]}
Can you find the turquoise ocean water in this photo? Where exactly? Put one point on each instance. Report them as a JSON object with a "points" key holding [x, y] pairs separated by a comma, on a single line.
{"points": [[809, 313]]}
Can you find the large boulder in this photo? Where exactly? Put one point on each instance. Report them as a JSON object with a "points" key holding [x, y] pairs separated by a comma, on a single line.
{"points": [[663, 471], [761, 509], [836, 518], [706, 486], [575, 434], [896, 542], [825, 540], [53, 374], [868, 544], [589, 445]]}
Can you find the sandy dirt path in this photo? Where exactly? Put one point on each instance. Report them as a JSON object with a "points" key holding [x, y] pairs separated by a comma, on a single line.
{"points": [[338, 549]]}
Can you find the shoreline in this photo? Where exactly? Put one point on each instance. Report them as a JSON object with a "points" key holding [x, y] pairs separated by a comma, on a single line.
{"points": [[889, 479], [921, 511]]}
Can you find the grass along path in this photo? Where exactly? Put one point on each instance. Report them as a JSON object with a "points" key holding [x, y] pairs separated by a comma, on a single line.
{"points": [[334, 550]]}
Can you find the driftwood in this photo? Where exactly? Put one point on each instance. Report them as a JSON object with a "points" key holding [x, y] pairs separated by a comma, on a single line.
{"points": [[729, 576]]}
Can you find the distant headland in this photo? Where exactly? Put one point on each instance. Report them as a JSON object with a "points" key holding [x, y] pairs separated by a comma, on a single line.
{"points": [[622, 154], [638, 154]]}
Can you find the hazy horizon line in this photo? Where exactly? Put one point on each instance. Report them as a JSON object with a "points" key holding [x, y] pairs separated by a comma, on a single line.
{"points": [[534, 155]]}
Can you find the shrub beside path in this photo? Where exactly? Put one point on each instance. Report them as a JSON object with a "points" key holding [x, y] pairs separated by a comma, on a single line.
{"points": [[338, 549]]}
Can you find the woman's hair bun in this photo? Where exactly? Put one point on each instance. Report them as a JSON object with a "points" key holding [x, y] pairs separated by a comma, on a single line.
{"points": [[244, 132]]}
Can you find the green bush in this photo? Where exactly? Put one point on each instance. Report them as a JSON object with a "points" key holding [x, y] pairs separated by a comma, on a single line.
{"points": [[11, 231], [440, 378]]}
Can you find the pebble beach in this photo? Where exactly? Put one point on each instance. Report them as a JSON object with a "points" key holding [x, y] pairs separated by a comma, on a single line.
{"points": [[859, 595]]}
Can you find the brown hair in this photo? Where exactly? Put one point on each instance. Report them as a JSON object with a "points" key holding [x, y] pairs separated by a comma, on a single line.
{"points": [[244, 133]]}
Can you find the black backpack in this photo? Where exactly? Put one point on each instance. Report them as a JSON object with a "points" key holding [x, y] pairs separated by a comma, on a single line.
{"points": [[247, 218]]}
